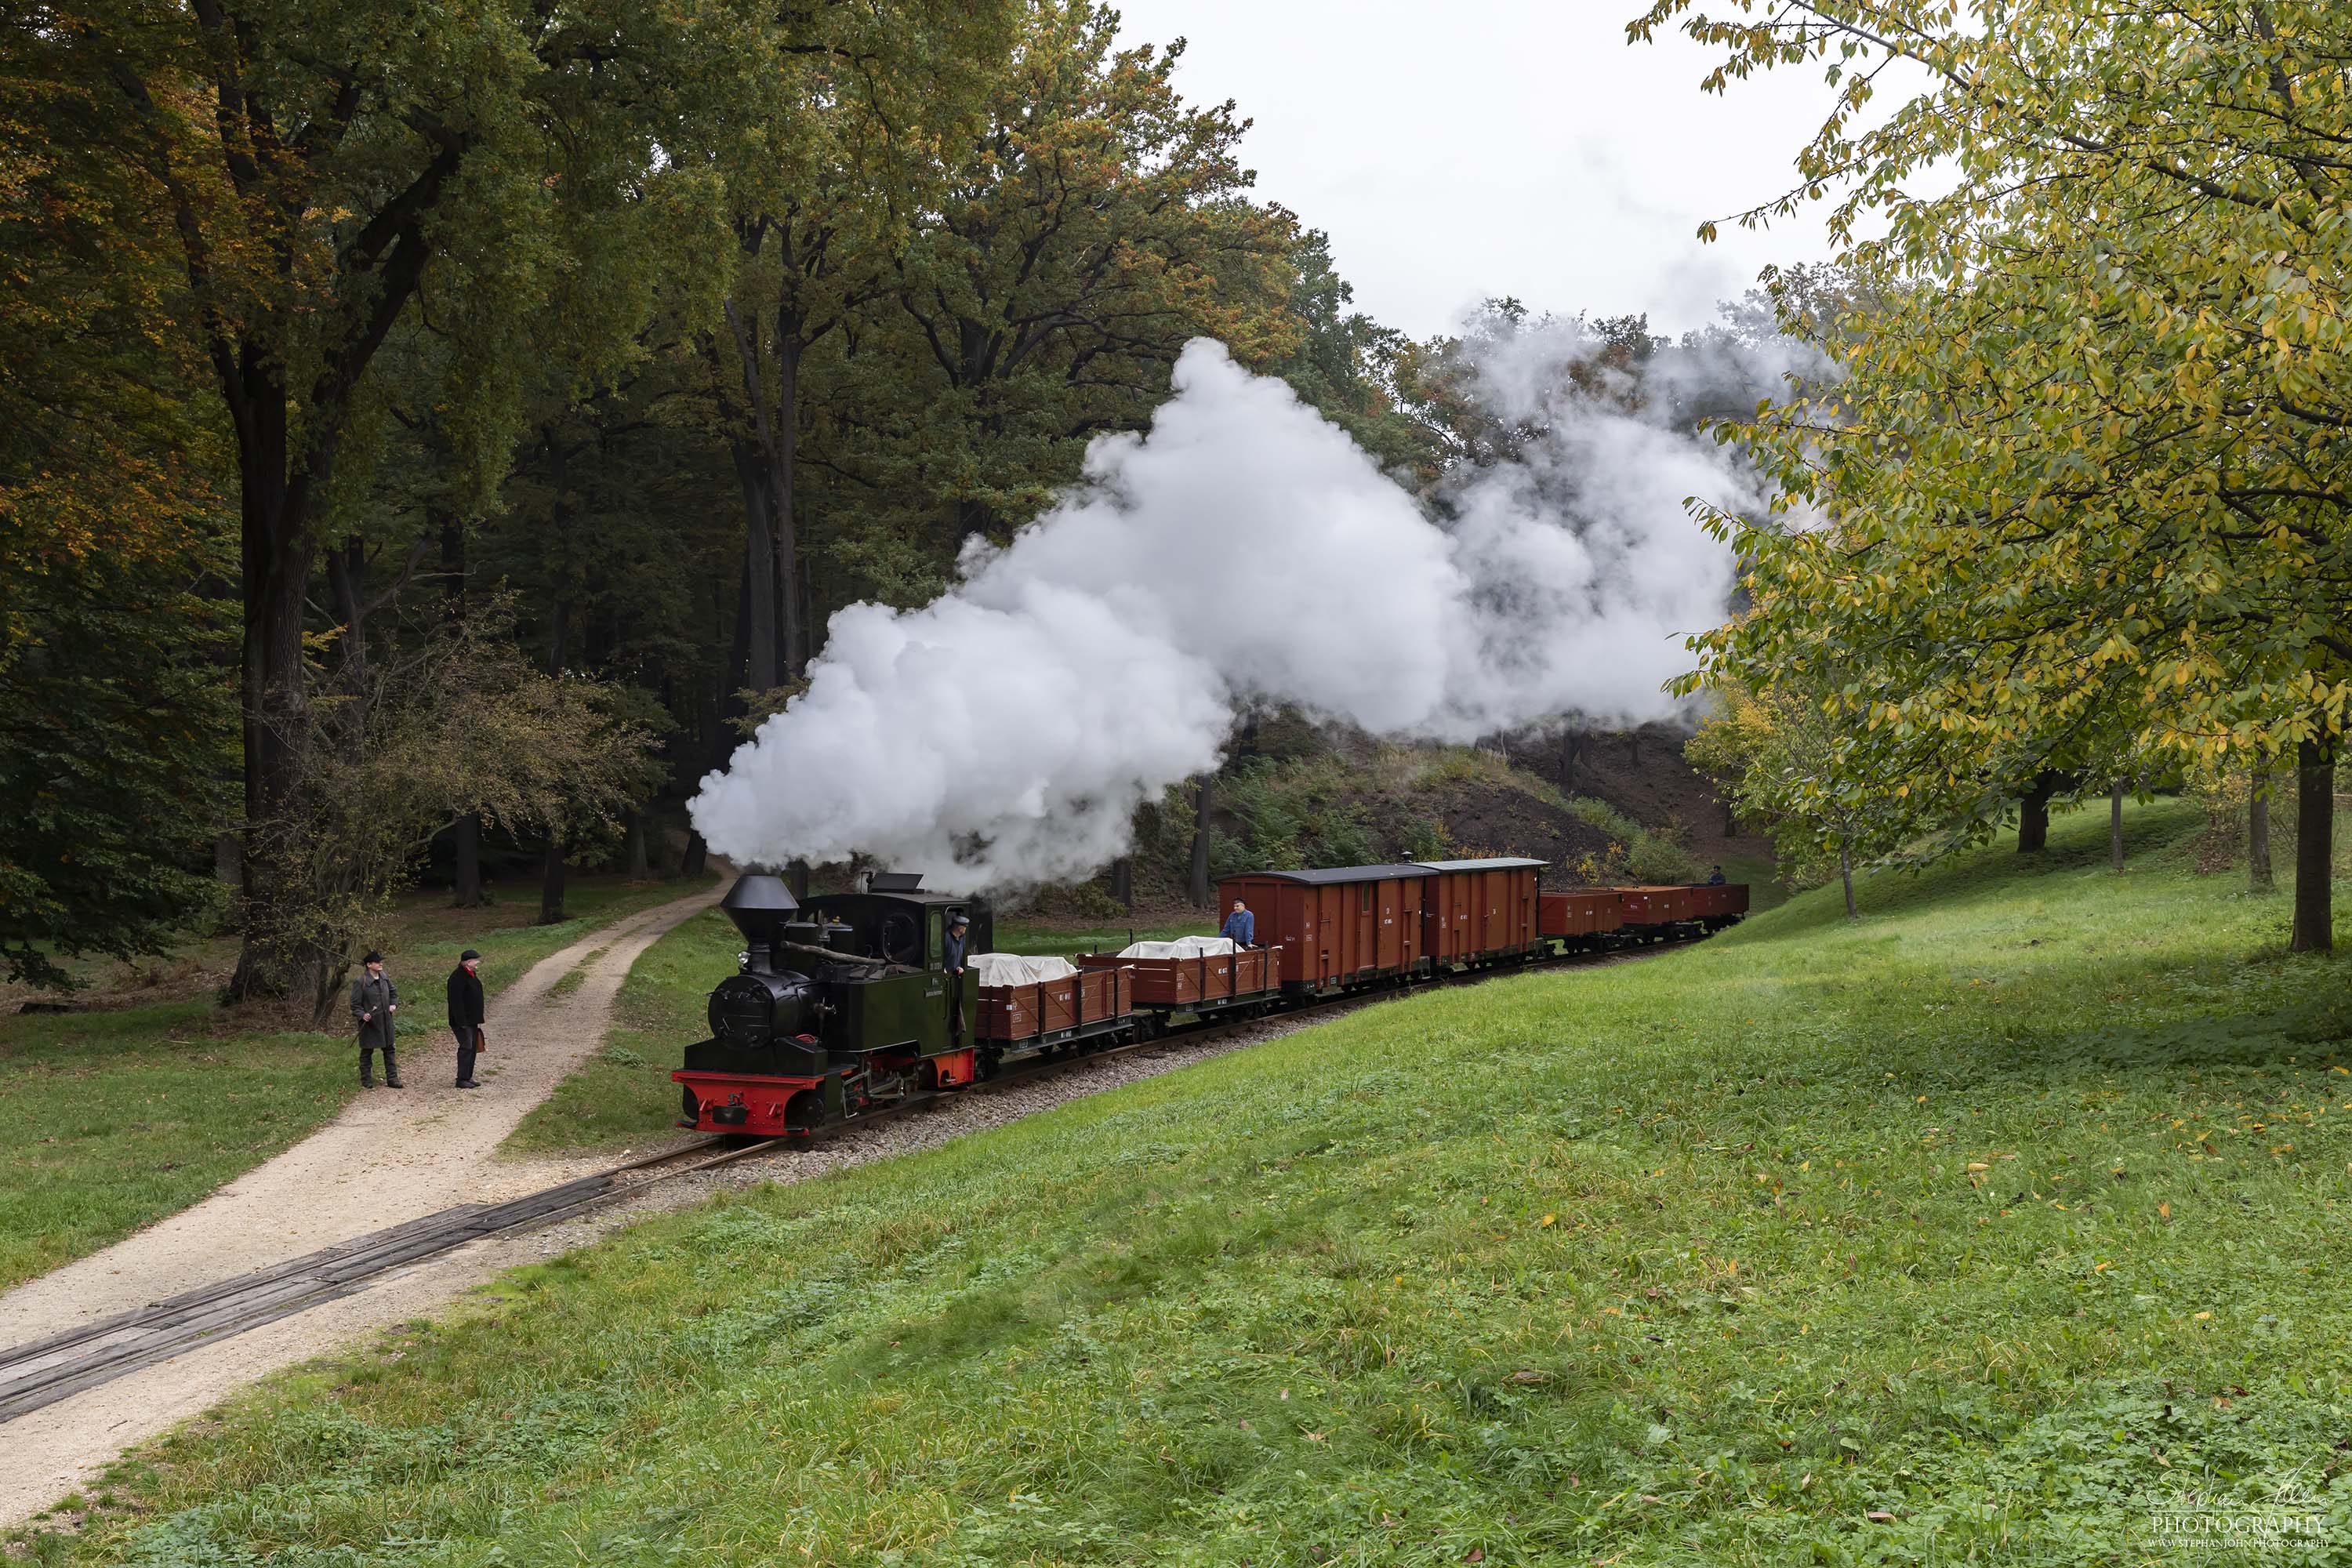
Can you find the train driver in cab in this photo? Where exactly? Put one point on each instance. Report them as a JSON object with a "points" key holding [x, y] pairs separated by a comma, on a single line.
{"points": [[1240, 927], [958, 925]]}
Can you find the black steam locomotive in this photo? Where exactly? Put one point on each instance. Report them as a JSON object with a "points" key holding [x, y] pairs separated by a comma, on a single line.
{"points": [[843, 1004]]}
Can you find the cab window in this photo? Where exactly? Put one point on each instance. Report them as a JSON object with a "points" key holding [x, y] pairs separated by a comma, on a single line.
{"points": [[932, 946]]}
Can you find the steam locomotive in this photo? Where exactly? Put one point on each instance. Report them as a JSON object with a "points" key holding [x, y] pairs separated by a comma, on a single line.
{"points": [[844, 1005]]}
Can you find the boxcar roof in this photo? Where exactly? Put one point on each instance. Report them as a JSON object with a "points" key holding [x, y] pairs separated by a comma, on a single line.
{"points": [[1492, 863], [1333, 874]]}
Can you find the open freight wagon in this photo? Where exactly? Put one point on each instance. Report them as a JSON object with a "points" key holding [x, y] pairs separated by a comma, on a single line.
{"points": [[1024, 1013], [1201, 982]]}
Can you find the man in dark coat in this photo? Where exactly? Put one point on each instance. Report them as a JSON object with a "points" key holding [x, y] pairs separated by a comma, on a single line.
{"points": [[466, 1012], [374, 999]]}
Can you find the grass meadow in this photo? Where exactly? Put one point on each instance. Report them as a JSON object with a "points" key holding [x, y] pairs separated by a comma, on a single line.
{"points": [[1982, 1229], [112, 1118]]}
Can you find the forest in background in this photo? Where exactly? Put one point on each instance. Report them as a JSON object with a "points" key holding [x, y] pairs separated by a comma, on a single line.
{"points": [[439, 440], [430, 434]]}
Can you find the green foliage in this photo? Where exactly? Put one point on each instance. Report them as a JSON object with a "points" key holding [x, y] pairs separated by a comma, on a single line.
{"points": [[1785, 756], [1292, 815], [114, 723], [1345, 365], [1980, 1229], [416, 736], [1640, 855], [2075, 490]]}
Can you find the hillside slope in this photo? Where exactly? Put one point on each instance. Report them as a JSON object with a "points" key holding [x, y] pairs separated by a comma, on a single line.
{"points": [[1973, 1231]]}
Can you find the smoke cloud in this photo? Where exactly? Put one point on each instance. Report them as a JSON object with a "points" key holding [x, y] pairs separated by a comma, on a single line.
{"points": [[1243, 551]]}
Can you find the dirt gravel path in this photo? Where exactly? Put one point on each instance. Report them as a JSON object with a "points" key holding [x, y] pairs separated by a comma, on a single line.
{"points": [[391, 1156]]}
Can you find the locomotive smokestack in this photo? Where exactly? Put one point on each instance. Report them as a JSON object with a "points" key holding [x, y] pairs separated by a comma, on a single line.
{"points": [[757, 904]]}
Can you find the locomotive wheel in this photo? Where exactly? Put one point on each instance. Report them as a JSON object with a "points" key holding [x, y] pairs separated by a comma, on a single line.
{"points": [[691, 1106]]}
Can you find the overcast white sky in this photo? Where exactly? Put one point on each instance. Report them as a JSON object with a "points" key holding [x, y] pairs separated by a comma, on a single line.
{"points": [[1459, 150]]}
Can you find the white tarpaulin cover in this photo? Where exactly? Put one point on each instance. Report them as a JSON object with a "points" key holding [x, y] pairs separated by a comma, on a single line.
{"points": [[1012, 969], [1182, 947]]}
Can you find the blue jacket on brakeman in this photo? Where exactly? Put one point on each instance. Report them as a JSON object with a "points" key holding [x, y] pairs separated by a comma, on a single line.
{"points": [[1240, 928]]}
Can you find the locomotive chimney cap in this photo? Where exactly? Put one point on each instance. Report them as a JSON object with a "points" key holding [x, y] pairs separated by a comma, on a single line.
{"points": [[756, 901]]}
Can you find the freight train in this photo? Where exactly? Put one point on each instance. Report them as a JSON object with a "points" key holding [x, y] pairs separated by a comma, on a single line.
{"points": [[844, 1005]]}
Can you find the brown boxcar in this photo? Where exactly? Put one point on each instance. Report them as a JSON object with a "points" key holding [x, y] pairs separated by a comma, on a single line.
{"points": [[1480, 911], [1339, 928], [1582, 918], [1201, 984], [1045, 1012]]}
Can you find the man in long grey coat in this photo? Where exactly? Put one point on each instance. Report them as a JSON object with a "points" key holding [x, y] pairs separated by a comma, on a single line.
{"points": [[374, 999]]}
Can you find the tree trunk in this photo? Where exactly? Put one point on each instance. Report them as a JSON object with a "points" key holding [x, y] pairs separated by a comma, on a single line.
{"points": [[2314, 849], [1730, 819], [691, 865], [1845, 875], [2115, 825], [466, 847], [2258, 836], [634, 843], [757, 633], [1197, 888], [550, 886], [453, 560], [276, 548], [1571, 741], [791, 637], [1123, 882], [2033, 815], [228, 858]]}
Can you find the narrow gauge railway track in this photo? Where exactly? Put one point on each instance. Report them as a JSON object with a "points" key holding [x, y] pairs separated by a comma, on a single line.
{"points": [[43, 1372]]}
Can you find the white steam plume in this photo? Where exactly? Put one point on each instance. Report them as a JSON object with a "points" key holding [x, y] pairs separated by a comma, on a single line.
{"points": [[1243, 551]]}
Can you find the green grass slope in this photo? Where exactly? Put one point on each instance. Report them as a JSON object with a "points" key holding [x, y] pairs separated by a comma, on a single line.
{"points": [[111, 1119], [1972, 1232]]}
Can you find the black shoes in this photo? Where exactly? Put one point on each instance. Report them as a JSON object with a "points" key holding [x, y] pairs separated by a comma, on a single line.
{"points": [[467, 1083]]}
